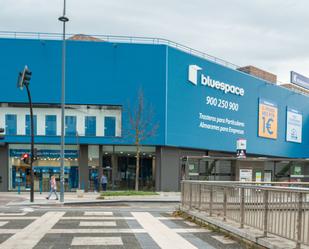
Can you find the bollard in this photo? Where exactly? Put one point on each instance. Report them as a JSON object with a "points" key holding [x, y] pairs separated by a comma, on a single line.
{"points": [[18, 188], [41, 186]]}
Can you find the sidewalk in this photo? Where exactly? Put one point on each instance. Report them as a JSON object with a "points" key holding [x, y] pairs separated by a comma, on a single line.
{"points": [[71, 198]]}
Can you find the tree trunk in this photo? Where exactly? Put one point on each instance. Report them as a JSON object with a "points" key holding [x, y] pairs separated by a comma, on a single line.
{"points": [[137, 167]]}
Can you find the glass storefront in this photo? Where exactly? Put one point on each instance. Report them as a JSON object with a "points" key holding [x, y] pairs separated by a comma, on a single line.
{"points": [[119, 165], [48, 164]]}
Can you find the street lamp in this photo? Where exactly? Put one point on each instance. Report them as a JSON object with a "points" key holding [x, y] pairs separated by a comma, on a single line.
{"points": [[62, 19]]}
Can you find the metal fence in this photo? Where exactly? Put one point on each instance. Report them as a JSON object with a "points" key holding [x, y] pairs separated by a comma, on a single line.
{"points": [[269, 207], [119, 39]]}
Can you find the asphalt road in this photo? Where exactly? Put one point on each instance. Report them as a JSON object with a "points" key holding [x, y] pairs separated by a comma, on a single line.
{"points": [[131, 226]]}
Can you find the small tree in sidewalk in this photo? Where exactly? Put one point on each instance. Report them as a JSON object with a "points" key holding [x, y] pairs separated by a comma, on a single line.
{"points": [[141, 127]]}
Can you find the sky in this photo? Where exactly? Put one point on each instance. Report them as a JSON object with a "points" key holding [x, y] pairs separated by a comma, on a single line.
{"points": [[270, 34]]}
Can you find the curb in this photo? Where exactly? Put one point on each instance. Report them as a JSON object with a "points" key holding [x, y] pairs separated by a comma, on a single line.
{"points": [[92, 202]]}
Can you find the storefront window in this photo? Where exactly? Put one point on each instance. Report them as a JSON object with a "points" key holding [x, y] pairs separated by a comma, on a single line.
{"points": [[48, 164], [119, 165], [93, 166]]}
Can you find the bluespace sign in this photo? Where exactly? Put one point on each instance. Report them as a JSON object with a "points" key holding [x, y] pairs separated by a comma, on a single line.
{"points": [[210, 107], [300, 80]]}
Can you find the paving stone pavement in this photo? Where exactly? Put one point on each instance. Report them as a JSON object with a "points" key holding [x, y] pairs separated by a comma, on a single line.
{"points": [[104, 228]]}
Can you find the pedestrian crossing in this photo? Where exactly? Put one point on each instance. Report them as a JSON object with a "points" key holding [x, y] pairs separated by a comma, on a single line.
{"points": [[90, 229]]}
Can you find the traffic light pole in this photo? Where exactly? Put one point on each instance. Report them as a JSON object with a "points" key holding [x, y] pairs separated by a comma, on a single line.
{"points": [[32, 145]]}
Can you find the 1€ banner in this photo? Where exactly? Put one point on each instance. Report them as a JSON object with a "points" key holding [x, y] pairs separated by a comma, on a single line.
{"points": [[268, 119]]}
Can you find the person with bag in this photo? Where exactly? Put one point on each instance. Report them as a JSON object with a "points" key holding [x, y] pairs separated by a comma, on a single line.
{"points": [[53, 187]]}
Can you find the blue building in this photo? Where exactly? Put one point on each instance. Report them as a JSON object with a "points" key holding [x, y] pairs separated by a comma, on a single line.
{"points": [[202, 106]]}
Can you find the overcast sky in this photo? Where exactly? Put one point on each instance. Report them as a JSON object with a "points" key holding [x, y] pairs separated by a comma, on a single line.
{"points": [[270, 34]]}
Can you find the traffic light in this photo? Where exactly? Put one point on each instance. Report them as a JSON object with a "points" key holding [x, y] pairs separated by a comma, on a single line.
{"points": [[26, 158], [35, 154], [1, 134], [24, 78]]}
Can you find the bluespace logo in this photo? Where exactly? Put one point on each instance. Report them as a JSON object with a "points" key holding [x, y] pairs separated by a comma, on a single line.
{"points": [[206, 80]]}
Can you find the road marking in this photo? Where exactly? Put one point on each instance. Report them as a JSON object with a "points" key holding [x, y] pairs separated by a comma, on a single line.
{"points": [[97, 224], [166, 238], [96, 218], [97, 241], [125, 230], [105, 218], [18, 218], [224, 240], [27, 209], [96, 230], [190, 230], [12, 214], [28, 237], [191, 224], [98, 213], [2, 223], [9, 231], [169, 218]]}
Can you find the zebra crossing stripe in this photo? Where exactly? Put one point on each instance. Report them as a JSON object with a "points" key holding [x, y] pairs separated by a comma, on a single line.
{"points": [[97, 224], [19, 218], [97, 241], [28, 237], [123, 230], [96, 218], [9, 231], [165, 237], [223, 239], [99, 213], [2, 223], [97, 230], [12, 214]]}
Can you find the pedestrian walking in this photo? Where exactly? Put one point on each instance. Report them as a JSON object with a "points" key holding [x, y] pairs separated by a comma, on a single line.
{"points": [[104, 182], [96, 183], [53, 187]]}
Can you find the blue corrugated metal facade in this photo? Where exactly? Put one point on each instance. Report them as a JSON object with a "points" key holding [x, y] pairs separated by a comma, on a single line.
{"points": [[112, 73]]}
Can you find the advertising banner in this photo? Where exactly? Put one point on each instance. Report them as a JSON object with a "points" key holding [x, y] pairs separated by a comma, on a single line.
{"points": [[294, 120], [268, 119], [45, 153], [245, 175]]}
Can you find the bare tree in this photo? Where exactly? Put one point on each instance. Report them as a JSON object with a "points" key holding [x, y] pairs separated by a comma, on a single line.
{"points": [[141, 127]]}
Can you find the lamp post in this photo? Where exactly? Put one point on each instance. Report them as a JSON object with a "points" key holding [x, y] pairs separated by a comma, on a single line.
{"points": [[62, 19]]}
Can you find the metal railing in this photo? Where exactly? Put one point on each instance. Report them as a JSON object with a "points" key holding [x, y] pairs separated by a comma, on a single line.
{"points": [[119, 39], [269, 207]]}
